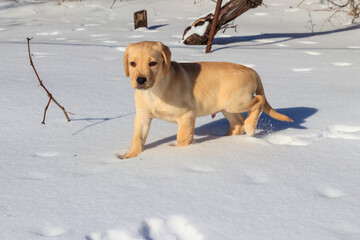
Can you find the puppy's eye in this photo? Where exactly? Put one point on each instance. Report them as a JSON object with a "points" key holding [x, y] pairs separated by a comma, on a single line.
{"points": [[133, 64], [151, 64]]}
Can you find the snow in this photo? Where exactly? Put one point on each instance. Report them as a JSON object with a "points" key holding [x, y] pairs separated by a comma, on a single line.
{"points": [[63, 180], [199, 30]]}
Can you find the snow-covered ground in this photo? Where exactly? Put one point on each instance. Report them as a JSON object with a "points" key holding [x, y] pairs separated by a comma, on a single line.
{"points": [[62, 180]]}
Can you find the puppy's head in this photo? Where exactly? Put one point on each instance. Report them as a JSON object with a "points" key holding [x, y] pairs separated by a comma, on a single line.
{"points": [[146, 63]]}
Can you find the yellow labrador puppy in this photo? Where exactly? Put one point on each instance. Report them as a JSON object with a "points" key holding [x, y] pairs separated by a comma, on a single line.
{"points": [[180, 92]]}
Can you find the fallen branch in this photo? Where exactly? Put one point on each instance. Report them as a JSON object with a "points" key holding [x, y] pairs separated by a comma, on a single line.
{"points": [[198, 33], [51, 98]]}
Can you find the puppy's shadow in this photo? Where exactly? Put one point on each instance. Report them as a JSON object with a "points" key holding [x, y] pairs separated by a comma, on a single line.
{"points": [[266, 125]]}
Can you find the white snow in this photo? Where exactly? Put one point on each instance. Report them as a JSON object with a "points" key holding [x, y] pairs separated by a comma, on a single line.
{"points": [[63, 180], [199, 30]]}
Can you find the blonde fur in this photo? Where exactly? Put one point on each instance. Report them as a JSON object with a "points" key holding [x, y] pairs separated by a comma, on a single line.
{"points": [[180, 92]]}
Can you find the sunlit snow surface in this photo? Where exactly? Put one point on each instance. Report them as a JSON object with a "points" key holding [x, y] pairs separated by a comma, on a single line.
{"points": [[63, 180]]}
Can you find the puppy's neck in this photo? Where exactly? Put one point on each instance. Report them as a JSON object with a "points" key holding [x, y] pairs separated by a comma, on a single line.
{"points": [[162, 84]]}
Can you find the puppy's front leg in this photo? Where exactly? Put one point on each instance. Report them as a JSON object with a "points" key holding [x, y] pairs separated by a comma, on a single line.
{"points": [[141, 130], [186, 125]]}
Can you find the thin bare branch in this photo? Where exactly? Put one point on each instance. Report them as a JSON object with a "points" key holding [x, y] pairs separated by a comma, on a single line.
{"points": [[113, 4], [300, 3], [51, 98]]}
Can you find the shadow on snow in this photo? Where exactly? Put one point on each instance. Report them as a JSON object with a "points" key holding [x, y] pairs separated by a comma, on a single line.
{"points": [[97, 121], [283, 37], [266, 126]]}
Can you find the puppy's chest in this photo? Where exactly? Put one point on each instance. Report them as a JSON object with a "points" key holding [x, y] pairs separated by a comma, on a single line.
{"points": [[166, 109], [166, 112]]}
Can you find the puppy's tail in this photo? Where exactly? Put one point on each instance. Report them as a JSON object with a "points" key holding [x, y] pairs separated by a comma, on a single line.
{"points": [[267, 108]]}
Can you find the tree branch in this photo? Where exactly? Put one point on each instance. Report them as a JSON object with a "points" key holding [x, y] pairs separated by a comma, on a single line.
{"points": [[113, 4], [51, 98], [228, 13]]}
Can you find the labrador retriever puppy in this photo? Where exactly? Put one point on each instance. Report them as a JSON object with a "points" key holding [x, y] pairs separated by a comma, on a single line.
{"points": [[180, 92]]}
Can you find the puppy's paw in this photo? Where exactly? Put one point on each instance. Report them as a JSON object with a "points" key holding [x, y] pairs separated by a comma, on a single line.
{"points": [[237, 130], [127, 155], [121, 156]]}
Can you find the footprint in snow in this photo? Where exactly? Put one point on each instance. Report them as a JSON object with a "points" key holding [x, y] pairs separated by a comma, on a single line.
{"points": [[342, 64], [342, 132], [110, 41], [176, 227], [40, 54], [98, 35], [312, 53], [256, 178], [331, 192], [161, 20], [123, 29], [110, 235], [307, 42], [276, 4], [200, 169], [136, 36], [260, 14], [79, 29], [90, 24], [173, 228], [291, 10], [336, 132], [46, 154], [47, 34], [302, 69], [265, 41], [50, 231], [282, 139], [121, 49]]}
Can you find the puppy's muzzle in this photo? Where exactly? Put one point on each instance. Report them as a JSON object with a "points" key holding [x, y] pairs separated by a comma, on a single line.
{"points": [[142, 83], [141, 80]]}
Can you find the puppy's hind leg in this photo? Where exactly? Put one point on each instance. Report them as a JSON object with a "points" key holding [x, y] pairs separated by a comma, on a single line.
{"points": [[254, 111], [236, 121]]}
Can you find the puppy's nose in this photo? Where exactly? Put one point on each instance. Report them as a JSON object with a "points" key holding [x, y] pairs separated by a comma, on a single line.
{"points": [[141, 80]]}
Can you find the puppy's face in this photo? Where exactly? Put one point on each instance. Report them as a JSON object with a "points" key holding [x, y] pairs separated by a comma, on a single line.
{"points": [[145, 63]]}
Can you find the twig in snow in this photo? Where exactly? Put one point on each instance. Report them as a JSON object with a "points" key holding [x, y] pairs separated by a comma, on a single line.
{"points": [[352, 7], [300, 3], [51, 98], [311, 23], [227, 26], [114, 4]]}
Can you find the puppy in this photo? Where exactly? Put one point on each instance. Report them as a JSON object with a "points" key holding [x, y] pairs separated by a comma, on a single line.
{"points": [[180, 92]]}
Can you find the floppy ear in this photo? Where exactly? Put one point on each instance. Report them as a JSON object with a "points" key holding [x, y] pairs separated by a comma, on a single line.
{"points": [[126, 62], [166, 54]]}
